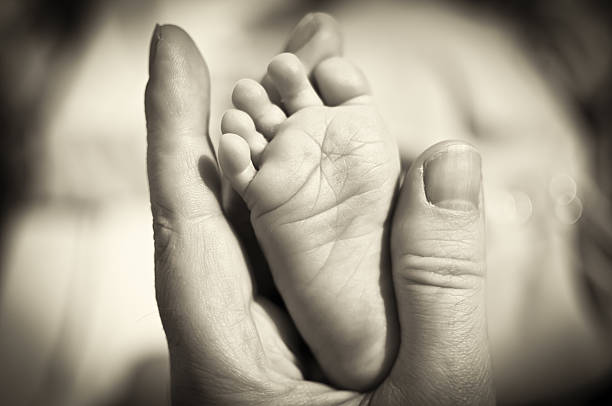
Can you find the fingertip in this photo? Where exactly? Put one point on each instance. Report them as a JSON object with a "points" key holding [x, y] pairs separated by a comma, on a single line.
{"points": [[447, 175], [452, 178], [179, 87], [177, 109], [439, 218], [170, 42]]}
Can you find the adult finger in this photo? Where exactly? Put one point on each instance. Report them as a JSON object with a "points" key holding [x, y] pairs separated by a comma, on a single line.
{"points": [[439, 279], [202, 282]]}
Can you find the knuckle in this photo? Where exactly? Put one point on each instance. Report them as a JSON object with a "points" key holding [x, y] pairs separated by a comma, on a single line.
{"points": [[442, 272]]}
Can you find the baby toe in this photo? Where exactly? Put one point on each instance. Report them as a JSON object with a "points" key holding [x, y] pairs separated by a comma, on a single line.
{"points": [[240, 123], [250, 97], [235, 162], [316, 38], [340, 82], [291, 81]]}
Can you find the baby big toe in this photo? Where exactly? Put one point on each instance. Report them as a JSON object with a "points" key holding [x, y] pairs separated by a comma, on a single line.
{"points": [[291, 81], [341, 82], [250, 97], [316, 37]]}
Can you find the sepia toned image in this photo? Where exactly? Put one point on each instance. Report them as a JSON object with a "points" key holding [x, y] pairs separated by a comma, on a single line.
{"points": [[305, 202]]}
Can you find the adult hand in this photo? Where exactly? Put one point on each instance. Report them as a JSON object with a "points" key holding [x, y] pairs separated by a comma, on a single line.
{"points": [[229, 345]]}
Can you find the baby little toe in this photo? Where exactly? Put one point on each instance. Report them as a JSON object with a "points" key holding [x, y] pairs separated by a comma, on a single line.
{"points": [[240, 123], [235, 162]]}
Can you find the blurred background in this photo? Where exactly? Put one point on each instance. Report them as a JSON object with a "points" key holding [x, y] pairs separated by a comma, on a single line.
{"points": [[528, 82]]}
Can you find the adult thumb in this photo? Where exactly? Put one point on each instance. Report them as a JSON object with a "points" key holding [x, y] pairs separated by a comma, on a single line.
{"points": [[437, 251]]}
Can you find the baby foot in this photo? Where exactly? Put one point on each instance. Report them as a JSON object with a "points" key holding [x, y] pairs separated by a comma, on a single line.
{"points": [[315, 38], [319, 177]]}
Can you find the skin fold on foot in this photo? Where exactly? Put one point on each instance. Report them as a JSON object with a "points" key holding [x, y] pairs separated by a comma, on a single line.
{"points": [[318, 172]]}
